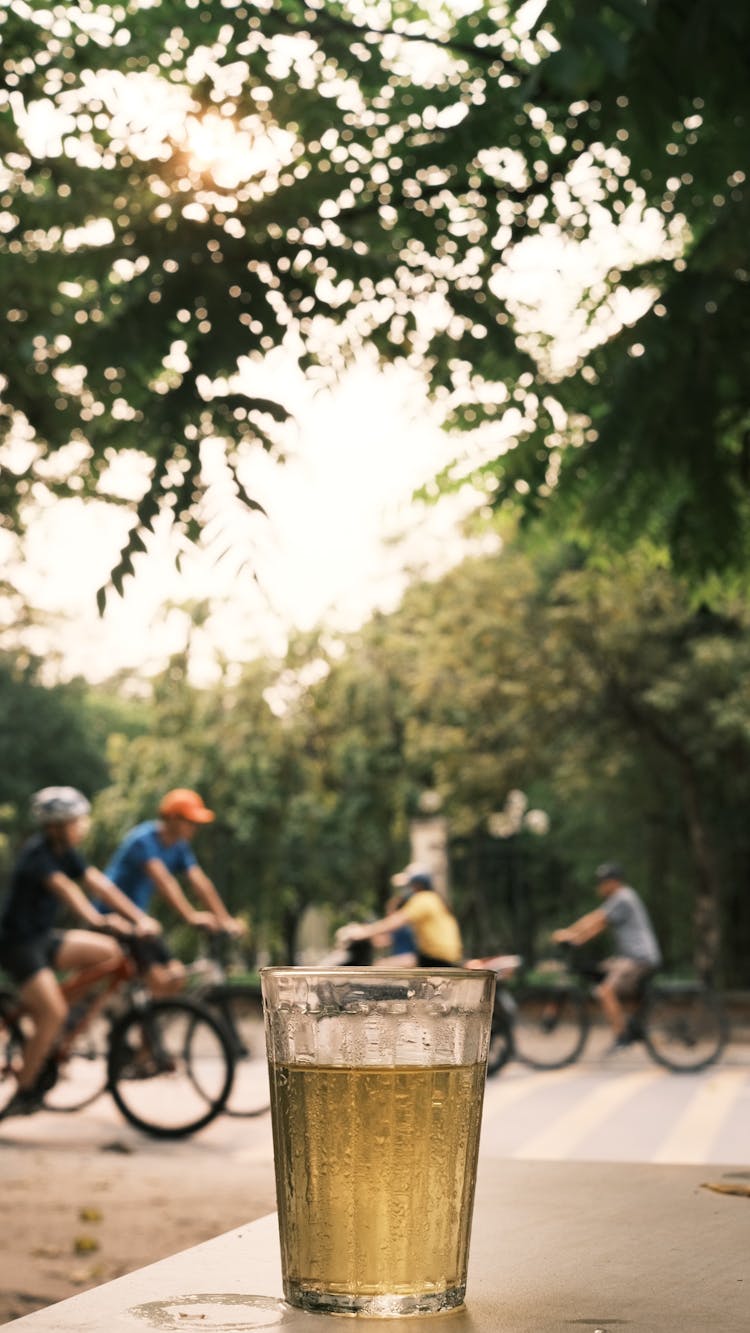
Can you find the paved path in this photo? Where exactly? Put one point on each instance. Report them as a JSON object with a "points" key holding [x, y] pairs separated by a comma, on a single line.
{"points": [[625, 1109]]}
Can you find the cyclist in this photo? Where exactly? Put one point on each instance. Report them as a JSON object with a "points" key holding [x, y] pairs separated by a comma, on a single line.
{"points": [[149, 859], [399, 943], [637, 952], [49, 873], [437, 937]]}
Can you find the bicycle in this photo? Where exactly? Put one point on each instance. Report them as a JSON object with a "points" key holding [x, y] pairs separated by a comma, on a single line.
{"points": [[546, 1023], [238, 1005], [167, 1063]]}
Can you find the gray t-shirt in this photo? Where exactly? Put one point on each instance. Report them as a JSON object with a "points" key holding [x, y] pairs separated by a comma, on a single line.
{"points": [[631, 927]]}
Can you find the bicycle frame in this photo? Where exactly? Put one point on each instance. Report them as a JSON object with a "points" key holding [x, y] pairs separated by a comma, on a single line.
{"points": [[110, 974], [150, 1058], [115, 972]]}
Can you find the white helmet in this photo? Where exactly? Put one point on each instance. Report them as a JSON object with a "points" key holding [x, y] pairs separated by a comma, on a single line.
{"points": [[58, 805]]}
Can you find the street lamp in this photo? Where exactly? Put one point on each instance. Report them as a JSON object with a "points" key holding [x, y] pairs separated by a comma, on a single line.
{"points": [[506, 824], [428, 835]]}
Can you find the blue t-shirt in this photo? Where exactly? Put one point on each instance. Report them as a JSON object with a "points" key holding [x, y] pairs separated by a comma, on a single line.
{"points": [[127, 869]]}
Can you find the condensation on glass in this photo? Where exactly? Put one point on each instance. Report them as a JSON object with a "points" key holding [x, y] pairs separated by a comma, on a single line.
{"points": [[377, 1081]]}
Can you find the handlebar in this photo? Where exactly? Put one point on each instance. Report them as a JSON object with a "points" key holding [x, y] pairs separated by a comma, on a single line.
{"points": [[577, 961], [122, 936]]}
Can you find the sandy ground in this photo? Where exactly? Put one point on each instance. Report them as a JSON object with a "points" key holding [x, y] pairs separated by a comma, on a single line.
{"points": [[85, 1198]]}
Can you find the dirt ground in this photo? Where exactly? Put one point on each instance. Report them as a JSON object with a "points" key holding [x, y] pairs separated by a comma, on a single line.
{"points": [[85, 1199]]}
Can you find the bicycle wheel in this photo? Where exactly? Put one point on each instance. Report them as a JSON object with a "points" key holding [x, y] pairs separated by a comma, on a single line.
{"points": [[82, 1075], [685, 1027], [170, 1067], [11, 1045], [501, 1036], [240, 1009], [551, 1025]]}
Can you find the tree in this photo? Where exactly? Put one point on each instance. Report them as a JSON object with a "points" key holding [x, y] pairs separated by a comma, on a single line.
{"points": [[617, 707], [53, 735], [601, 692], [310, 798], [330, 824], [220, 179], [662, 693]]}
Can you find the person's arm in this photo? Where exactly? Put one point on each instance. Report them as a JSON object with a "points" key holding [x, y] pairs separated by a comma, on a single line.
{"points": [[73, 896], [367, 930], [103, 888], [208, 894], [170, 889], [582, 930]]}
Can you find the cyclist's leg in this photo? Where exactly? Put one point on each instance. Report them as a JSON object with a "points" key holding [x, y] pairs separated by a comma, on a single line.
{"points": [[608, 993], [44, 1002], [162, 973], [622, 980], [42, 997], [166, 978], [78, 949]]}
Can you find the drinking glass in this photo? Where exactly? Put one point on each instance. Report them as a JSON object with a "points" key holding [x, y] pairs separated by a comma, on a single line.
{"points": [[377, 1080]]}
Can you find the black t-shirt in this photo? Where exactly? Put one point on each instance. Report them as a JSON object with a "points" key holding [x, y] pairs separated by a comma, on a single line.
{"points": [[30, 908]]}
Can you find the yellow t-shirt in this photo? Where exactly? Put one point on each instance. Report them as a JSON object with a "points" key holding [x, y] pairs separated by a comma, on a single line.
{"points": [[436, 931]]}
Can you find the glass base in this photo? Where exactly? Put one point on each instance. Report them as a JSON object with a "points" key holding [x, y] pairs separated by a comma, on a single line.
{"points": [[379, 1306]]}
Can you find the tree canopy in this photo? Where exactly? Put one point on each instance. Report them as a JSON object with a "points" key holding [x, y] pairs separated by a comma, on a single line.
{"points": [[613, 707], [523, 682], [186, 186]]}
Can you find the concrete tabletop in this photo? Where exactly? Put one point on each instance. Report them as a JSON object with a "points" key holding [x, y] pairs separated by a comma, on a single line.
{"points": [[556, 1247]]}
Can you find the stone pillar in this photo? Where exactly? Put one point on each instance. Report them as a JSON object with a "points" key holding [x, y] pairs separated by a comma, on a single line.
{"points": [[429, 847]]}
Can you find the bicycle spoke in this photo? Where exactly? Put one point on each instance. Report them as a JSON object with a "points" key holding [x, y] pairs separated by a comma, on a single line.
{"points": [[501, 1038], [170, 1067], [11, 1045], [685, 1028], [82, 1076], [551, 1025], [240, 1010]]}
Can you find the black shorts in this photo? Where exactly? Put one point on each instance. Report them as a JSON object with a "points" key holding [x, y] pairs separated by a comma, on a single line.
{"points": [[147, 950], [427, 960], [23, 958]]}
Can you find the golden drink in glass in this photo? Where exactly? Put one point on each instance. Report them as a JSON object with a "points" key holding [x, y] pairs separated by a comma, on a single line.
{"points": [[375, 1152]]}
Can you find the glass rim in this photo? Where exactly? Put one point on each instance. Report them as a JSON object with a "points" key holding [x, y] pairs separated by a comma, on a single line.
{"points": [[375, 973]]}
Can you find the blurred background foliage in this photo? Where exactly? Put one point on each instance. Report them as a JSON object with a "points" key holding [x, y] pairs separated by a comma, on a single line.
{"points": [[619, 709], [186, 187]]}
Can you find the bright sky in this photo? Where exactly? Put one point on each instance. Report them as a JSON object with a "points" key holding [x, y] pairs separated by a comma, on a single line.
{"points": [[325, 553], [342, 535]]}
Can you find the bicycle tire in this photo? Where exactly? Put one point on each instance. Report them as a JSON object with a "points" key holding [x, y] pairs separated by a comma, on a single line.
{"points": [[501, 1046], [170, 1067], [82, 1075], [551, 1025], [685, 1027], [240, 1009], [11, 1044]]}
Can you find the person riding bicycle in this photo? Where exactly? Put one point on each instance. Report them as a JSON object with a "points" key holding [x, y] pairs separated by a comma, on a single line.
{"points": [[149, 859], [437, 937], [637, 952], [49, 873], [400, 946]]}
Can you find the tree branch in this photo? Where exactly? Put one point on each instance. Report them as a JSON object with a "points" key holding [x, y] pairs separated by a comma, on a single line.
{"points": [[487, 56]]}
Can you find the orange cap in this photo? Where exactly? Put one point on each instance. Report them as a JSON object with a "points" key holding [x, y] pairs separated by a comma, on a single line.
{"points": [[187, 804]]}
